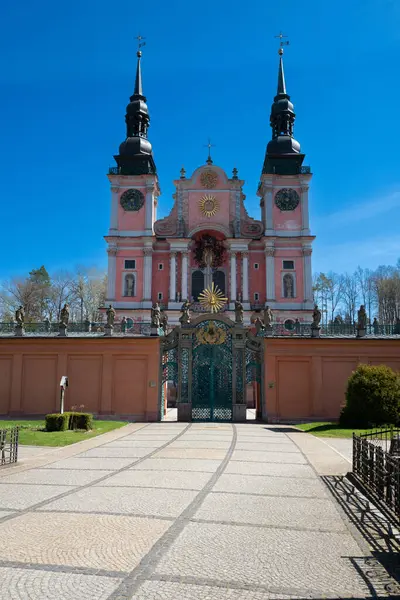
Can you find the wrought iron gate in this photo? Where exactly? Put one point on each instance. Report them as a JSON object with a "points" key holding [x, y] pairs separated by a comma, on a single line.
{"points": [[212, 372]]}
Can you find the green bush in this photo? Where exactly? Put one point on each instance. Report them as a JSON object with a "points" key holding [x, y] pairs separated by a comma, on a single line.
{"points": [[372, 397], [57, 422], [69, 420]]}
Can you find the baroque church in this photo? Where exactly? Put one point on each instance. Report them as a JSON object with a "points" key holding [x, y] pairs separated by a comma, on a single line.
{"points": [[209, 237]]}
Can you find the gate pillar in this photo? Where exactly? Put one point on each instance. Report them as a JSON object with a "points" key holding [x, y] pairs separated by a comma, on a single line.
{"points": [[239, 404], [184, 403]]}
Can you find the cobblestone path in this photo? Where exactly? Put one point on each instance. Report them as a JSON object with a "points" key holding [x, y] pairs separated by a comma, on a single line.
{"points": [[177, 512]]}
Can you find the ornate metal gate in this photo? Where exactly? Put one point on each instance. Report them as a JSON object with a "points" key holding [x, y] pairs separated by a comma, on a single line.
{"points": [[212, 372]]}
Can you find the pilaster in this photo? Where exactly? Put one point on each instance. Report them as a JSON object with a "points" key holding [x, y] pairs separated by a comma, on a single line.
{"points": [[172, 277], [184, 275], [305, 221], [112, 271], [233, 278], [270, 273], [114, 210], [307, 274], [245, 278], [147, 276]]}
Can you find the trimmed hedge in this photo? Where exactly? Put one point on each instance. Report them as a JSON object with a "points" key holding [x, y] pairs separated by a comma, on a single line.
{"points": [[69, 421], [372, 397]]}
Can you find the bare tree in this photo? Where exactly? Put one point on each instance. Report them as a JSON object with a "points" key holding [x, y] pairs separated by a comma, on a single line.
{"points": [[350, 295]]}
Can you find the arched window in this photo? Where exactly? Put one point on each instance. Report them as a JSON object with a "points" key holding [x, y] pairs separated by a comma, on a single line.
{"points": [[219, 280], [129, 285], [288, 286], [197, 284]]}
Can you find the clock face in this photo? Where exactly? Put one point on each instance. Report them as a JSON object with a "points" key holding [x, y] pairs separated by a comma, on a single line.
{"points": [[287, 199], [132, 200]]}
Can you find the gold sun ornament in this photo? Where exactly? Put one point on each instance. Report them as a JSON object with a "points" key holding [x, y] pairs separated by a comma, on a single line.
{"points": [[212, 299], [209, 205]]}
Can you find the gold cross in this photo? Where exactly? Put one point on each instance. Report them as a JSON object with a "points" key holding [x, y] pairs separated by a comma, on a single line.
{"points": [[209, 146], [139, 38], [282, 43]]}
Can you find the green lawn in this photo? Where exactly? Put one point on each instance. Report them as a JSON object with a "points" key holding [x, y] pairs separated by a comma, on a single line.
{"points": [[32, 432], [326, 429]]}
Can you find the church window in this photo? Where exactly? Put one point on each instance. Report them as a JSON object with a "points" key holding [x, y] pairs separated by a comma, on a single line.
{"points": [[288, 286], [256, 296], [197, 284], [289, 324], [219, 280], [160, 296], [256, 266], [288, 264], [129, 285], [130, 264], [160, 266]]}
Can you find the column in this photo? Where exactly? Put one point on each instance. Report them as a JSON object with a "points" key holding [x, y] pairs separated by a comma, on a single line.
{"points": [[269, 224], [233, 277], [184, 276], [307, 275], [305, 224], [270, 273], [172, 277], [114, 210], [112, 272], [147, 275], [245, 275], [149, 211]]}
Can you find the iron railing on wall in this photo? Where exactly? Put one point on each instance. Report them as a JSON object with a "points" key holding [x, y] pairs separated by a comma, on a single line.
{"points": [[9, 446], [376, 465]]}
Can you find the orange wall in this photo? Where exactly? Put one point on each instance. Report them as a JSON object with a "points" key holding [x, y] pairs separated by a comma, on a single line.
{"points": [[306, 378], [110, 376]]}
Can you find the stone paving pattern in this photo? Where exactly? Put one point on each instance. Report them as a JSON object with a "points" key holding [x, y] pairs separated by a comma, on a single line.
{"points": [[176, 512]]}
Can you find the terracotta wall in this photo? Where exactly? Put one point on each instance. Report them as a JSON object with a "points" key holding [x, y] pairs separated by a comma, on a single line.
{"points": [[110, 376], [306, 378]]}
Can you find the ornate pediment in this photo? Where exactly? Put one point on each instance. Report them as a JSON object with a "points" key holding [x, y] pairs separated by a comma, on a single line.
{"points": [[167, 227], [249, 227]]}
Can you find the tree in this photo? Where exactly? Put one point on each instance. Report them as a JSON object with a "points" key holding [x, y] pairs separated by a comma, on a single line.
{"points": [[350, 291]]}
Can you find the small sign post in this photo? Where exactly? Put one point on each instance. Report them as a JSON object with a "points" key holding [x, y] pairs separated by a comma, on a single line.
{"points": [[63, 386]]}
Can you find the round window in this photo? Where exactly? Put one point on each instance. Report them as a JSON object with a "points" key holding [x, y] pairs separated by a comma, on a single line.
{"points": [[289, 324]]}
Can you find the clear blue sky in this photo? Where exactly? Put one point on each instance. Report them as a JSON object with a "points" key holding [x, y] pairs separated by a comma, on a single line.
{"points": [[209, 69]]}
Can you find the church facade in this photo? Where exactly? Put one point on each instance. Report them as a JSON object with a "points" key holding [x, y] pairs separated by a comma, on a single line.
{"points": [[208, 237]]}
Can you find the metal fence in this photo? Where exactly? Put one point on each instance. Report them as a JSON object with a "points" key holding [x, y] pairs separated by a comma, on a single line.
{"points": [[9, 446], [376, 465], [86, 328]]}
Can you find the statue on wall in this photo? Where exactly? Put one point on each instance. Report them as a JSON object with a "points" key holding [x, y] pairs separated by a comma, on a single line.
{"points": [[110, 316], [317, 315], [184, 319], [375, 326], [20, 316], [238, 312], [362, 318], [164, 322], [156, 315], [124, 324], [64, 315], [288, 287], [268, 316], [130, 284], [259, 325]]}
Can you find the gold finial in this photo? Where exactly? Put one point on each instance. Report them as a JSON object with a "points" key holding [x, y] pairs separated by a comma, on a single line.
{"points": [[209, 160], [140, 39], [281, 43]]}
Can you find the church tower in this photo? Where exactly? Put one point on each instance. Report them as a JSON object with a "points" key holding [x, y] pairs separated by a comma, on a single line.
{"points": [[134, 191], [284, 207]]}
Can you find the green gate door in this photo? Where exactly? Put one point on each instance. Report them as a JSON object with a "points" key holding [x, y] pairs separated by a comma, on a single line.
{"points": [[212, 372]]}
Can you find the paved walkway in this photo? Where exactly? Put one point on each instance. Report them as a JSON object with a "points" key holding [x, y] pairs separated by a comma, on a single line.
{"points": [[178, 512]]}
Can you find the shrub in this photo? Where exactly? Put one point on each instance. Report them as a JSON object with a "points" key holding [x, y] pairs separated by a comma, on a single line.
{"points": [[57, 422], [372, 397], [81, 421]]}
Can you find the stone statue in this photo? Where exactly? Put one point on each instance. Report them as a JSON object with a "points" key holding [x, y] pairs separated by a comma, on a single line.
{"points": [[375, 326], [20, 316], [362, 318], [129, 286], [110, 316], [288, 286], [259, 325], [156, 315], [297, 326], [184, 319], [124, 324], [268, 316], [396, 329], [317, 315], [64, 315], [47, 325], [164, 322], [238, 312]]}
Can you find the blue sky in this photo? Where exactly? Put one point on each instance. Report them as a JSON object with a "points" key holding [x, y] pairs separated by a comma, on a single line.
{"points": [[209, 69]]}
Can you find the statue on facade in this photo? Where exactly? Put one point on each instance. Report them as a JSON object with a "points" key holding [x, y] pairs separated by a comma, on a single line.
{"points": [[184, 319], [317, 316], [64, 315], [288, 286], [297, 326], [156, 315], [268, 317], [375, 326], [20, 316], [362, 318], [238, 312], [259, 325], [124, 324], [164, 322], [110, 316]]}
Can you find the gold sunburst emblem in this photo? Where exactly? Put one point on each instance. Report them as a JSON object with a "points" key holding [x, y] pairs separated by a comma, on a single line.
{"points": [[212, 299], [209, 205]]}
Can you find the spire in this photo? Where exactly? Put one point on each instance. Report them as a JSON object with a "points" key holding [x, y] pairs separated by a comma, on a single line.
{"points": [[135, 153], [282, 118]]}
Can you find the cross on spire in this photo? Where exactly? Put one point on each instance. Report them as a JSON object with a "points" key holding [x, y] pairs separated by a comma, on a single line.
{"points": [[209, 146], [141, 43], [281, 42]]}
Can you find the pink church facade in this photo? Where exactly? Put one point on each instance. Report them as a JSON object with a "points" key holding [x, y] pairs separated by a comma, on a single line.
{"points": [[259, 261]]}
